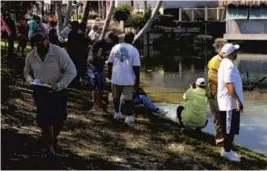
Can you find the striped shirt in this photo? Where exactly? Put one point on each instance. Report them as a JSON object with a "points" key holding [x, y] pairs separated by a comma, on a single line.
{"points": [[57, 67]]}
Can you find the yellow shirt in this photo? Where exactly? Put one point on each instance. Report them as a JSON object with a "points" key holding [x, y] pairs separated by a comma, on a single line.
{"points": [[195, 108], [213, 67]]}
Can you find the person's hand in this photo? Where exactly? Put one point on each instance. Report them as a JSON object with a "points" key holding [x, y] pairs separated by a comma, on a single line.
{"points": [[240, 106], [54, 86]]}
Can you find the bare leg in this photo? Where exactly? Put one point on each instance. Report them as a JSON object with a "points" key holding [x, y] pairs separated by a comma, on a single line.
{"points": [[117, 105], [128, 106], [228, 142], [47, 133]]}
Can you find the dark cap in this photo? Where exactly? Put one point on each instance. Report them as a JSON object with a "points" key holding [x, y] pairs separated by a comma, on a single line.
{"points": [[37, 36]]}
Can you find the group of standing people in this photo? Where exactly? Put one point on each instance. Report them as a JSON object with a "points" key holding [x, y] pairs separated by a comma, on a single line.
{"points": [[224, 92], [50, 69]]}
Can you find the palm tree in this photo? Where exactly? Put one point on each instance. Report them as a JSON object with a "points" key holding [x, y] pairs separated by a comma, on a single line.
{"points": [[108, 19], [149, 22], [58, 16], [68, 13], [86, 12]]}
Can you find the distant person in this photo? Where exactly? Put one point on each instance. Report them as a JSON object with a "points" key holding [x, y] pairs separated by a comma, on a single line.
{"points": [[230, 99], [124, 72], [140, 97], [76, 52], [65, 32], [93, 34], [35, 25], [213, 67], [22, 35], [13, 34], [193, 113], [57, 71], [52, 33], [98, 54]]}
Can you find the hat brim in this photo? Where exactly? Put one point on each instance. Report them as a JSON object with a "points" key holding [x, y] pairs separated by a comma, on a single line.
{"points": [[236, 46]]}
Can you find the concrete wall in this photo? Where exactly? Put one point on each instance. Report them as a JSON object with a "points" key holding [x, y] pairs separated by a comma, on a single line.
{"points": [[246, 26], [252, 63], [246, 30]]}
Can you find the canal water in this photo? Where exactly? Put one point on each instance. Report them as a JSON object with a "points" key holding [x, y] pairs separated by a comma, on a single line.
{"points": [[253, 134]]}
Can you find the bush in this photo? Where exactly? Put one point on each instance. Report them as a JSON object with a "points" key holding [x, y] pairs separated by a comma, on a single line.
{"points": [[7, 80], [136, 21], [122, 12], [93, 15], [164, 20]]}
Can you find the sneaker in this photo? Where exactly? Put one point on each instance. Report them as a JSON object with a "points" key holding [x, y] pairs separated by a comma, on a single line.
{"points": [[161, 112], [118, 116], [230, 156], [129, 120]]}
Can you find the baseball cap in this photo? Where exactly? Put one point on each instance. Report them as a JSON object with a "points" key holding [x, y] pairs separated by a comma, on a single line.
{"points": [[229, 48], [201, 82]]}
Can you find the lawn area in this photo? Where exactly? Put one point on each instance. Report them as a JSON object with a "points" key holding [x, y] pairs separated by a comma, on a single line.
{"points": [[96, 141]]}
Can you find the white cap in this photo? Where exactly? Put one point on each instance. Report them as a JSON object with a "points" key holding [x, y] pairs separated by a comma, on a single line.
{"points": [[229, 48], [201, 82]]}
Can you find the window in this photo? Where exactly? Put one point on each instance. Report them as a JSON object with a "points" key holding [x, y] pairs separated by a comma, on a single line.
{"points": [[237, 12], [258, 13]]}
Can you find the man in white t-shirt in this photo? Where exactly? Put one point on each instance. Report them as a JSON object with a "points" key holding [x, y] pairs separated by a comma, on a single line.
{"points": [[230, 99], [124, 62]]}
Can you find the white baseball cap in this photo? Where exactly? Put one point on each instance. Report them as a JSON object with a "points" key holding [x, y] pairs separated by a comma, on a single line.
{"points": [[229, 48], [201, 82]]}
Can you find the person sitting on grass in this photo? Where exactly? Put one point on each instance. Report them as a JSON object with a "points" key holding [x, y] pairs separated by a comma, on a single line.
{"points": [[140, 97], [193, 113]]}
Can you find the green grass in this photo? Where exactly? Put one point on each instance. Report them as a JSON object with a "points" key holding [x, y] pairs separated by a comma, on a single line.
{"points": [[27, 49]]}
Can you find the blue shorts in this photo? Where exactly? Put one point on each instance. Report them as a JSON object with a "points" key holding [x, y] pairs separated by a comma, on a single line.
{"points": [[97, 79]]}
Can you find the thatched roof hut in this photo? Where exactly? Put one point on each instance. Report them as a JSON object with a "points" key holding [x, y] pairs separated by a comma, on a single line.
{"points": [[243, 2]]}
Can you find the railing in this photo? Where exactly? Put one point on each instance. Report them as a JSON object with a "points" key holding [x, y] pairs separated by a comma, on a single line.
{"points": [[202, 14]]}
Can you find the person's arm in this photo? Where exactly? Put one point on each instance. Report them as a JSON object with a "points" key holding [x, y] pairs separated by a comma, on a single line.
{"points": [[68, 69], [110, 62], [28, 70], [92, 53], [228, 79], [136, 67]]}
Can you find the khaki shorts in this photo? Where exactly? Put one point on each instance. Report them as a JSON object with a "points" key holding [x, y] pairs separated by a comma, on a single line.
{"points": [[127, 91]]}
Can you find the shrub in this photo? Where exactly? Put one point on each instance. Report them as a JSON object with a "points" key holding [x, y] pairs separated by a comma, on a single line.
{"points": [[164, 20], [122, 12], [136, 21], [93, 15]]}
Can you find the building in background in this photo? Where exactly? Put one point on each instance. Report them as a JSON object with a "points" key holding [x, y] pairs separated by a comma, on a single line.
{"points": [[246, 20]]}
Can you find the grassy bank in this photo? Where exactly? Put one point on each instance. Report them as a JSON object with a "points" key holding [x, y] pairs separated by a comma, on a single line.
{"points": [[96, 141]]}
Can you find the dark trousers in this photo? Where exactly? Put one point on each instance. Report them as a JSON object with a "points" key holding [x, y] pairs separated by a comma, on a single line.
{"points": [[10, 45]]}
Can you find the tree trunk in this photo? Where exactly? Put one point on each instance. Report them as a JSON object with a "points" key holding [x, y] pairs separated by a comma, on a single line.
{"points": [[108, 19], [132, 3], [58, 16], [99, 9], [86, 12], [102, 10], [149, 22], [68, 13]]}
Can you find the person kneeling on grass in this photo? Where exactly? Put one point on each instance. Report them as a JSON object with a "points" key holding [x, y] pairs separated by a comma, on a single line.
{"points": [[193, 113], [140, 97]]}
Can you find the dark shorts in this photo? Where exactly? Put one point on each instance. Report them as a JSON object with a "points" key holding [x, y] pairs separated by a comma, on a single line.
{"points": [[97, 79], [51, 106], [230, 121]]}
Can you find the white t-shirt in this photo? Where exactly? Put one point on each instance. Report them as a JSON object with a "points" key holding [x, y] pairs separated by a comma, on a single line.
{"points": [[228, 73], [124, 56]]}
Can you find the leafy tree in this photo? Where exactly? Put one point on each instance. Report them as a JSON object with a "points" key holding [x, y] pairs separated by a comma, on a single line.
{"points": [[122, 12], [20, 8]]}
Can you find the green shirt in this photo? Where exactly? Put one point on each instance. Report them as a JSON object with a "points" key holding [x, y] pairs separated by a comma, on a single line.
{"points": [[195, 110]]}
